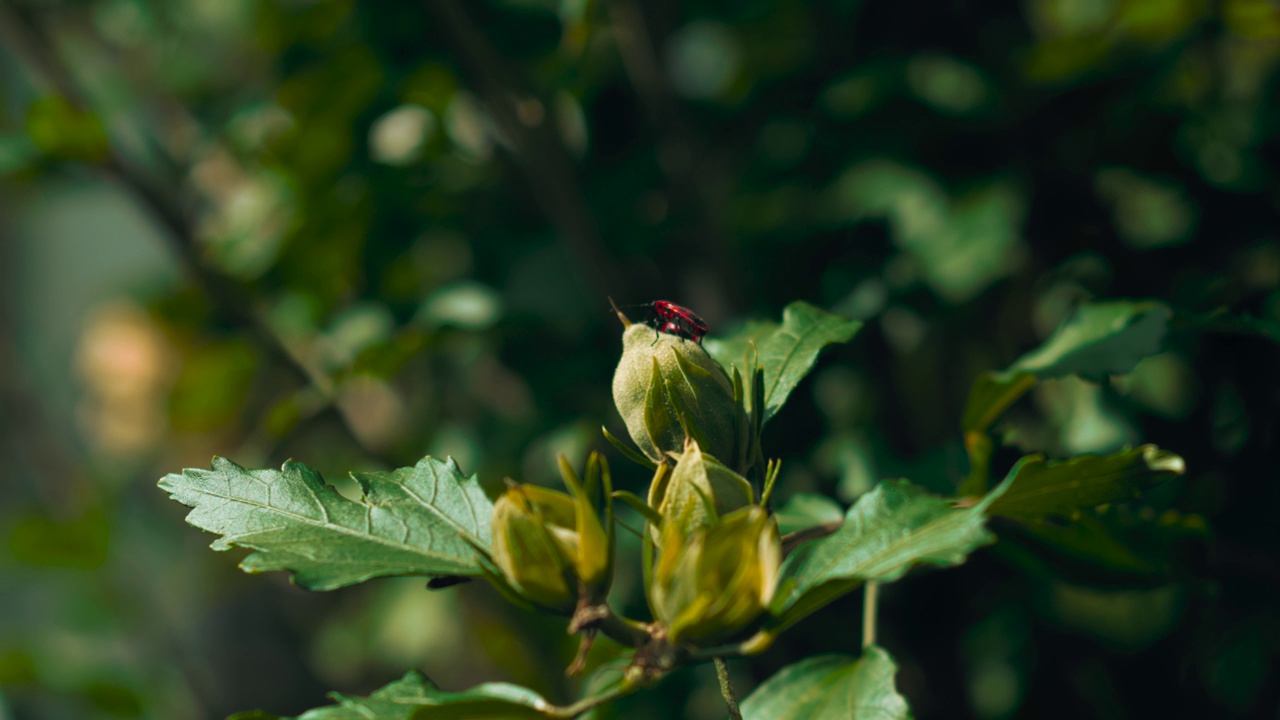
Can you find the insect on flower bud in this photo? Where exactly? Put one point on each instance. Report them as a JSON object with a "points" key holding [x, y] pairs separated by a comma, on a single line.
{"points": [[553, 549], [668, 389], [710, 586]]}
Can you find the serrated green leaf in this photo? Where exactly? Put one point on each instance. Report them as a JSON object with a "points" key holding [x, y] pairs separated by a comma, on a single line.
{"points": [[424, 520], [414, 697], [1037, 488], [830, 687], [890, 529], [788, 354]]}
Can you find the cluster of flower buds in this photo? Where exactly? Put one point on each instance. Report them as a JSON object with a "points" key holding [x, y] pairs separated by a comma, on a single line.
{"points": [[555, 550], [717, 550], [714, 550], [718, 554]]}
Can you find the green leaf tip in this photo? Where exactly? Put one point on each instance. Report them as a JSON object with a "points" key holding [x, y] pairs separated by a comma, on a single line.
{"points": [[792, 350], [429, 519]]}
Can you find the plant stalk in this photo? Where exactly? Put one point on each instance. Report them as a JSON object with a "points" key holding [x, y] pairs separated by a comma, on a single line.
{"points": [[726, 689], [870, 597]]}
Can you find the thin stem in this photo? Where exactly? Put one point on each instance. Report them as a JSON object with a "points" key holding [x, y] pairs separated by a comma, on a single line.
{"points": [[753, 645], [585, 704], [870, 596], [726, 689], [628, 632]]}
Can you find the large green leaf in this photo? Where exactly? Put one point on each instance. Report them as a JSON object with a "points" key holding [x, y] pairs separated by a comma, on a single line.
{"points": [[423, 520], [1037, 488], [414, 697], [789, 353], [830, 687], [890, 529]]}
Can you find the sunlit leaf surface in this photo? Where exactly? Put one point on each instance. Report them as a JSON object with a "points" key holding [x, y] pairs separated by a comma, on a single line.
{"points": [[413, 521]]}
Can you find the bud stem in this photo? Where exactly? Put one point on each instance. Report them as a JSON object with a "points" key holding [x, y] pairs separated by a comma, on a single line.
{"points": [[726, 689], [870, 594], [626, 632]]}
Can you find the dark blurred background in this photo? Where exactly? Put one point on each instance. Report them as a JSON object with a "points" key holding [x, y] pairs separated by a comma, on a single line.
{"points": [[356, 233]]}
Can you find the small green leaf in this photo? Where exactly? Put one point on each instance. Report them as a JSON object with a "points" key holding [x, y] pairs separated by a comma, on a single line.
{"points": [[424, 520], [890, 529], [414, 697], [830, 687], [1038, 488], [789, 353], [805, 510]]}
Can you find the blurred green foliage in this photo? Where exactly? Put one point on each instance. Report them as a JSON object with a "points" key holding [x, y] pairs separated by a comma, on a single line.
{"points": [[355, 234]]}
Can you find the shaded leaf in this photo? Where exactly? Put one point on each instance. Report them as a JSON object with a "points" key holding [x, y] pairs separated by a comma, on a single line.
{"points": [[890, 529], [423, 520], [788, 354], [1100, 339], [1036, 487], [805, 510], [830, 687], [414, 697], [1108, 548]]}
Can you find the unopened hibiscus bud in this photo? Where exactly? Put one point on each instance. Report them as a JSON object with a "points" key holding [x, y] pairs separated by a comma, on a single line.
{"points": [[553, 549], [698, 491], [668, 389], [710, 586]]}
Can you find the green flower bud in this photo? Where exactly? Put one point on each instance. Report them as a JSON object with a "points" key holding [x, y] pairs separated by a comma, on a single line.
{"points": [[699, 491], [711, 585], [668, 389], [553, 549]]}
